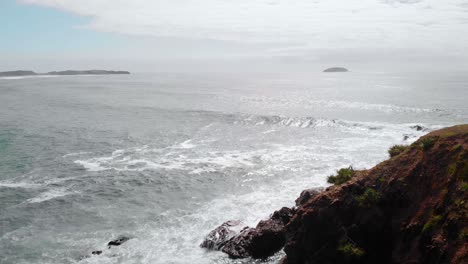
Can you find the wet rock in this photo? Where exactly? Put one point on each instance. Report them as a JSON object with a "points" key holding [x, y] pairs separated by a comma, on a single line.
{"points": [[217, 238], [119, 241], [307, 194], [260, 242], [404, 210], [418, 128]]}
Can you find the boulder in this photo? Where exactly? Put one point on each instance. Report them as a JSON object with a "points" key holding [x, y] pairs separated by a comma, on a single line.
{"points": [[217, 238], [307, 194], [261, 242]]}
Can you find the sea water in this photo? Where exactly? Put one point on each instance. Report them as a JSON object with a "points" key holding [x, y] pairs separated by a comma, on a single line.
{"points": [[164, 158]]}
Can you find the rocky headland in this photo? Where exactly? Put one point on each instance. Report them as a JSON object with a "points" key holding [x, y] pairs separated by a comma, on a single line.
{"points": [[88, 72], [17, 73], [411, 208], [68, 72]]}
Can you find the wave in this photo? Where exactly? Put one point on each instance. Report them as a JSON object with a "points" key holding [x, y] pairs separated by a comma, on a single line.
{"points": [[340, 104], [203, 154], [49, 195], [24, 185], [311, 122]]}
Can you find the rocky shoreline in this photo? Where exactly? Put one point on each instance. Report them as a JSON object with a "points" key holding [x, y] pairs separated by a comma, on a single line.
{"points": [[411, 208]]}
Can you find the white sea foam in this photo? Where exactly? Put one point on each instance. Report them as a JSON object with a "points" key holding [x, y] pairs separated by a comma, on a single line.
{"points": [[185, 145], [74, 154], [26, 185], [48, 195], [278, 171], [188, 156]]}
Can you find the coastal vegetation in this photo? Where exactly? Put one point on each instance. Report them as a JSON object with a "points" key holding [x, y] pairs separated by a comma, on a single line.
{"points": [[342, 175], [424, 191], [396, 150]]}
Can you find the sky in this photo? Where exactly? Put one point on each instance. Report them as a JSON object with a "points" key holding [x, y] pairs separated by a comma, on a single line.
{"points": [[174, 34]]}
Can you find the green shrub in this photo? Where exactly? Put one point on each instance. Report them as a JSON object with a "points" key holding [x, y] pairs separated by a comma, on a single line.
{"points": [[427, 143], [351, 251], [369, 198], [464, 234], [433, 222], [464, 186], [396, 150], [343, 175]]}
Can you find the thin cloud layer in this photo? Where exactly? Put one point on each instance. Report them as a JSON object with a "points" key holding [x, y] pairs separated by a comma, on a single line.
{"points": [[433, 25]]}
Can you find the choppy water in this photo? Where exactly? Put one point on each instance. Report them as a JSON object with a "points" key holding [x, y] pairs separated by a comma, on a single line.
{"points": [[164, 158]]}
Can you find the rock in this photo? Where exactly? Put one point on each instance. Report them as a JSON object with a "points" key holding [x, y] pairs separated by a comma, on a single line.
{"points": [[217, 238], [408, 209], [267, 238], [87, 72], [419, 128], [260, 242], [307, 194], [336, 69], [119, 241]]}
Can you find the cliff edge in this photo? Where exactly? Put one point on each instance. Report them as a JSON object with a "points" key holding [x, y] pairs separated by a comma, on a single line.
{"points": [[411, 208]]}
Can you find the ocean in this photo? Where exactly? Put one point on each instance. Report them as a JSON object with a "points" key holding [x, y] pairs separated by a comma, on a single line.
{"points": [[164, 158]]}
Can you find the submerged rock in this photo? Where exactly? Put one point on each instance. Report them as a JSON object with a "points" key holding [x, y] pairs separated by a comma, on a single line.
{"points": [[419, 128], [119, 241]]}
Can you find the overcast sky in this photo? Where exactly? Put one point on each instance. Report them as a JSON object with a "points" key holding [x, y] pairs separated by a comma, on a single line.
{"points": [[141, 33]]}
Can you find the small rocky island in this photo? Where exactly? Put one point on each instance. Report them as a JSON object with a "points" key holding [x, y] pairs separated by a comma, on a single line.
{"points": [[68, 72], [411, 208], [336, 69]]}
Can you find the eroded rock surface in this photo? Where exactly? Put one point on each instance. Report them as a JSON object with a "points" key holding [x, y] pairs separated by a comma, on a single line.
{"points": [[267, 238]]}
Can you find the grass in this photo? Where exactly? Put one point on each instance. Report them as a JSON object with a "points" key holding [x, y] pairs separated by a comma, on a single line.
{"points": [[369, 198], [343, 175], [396, 150], [433, 222], [351, 251]]}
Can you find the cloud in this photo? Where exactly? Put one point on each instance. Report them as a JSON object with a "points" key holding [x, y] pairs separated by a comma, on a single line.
{"points": [[434, 25]]}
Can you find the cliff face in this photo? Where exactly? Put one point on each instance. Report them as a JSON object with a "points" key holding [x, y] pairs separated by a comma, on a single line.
{"points": [[412, 208]]}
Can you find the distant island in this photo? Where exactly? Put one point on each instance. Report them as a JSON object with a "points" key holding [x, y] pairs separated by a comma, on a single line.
{"points": [[336, 69], [68, 72]]}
